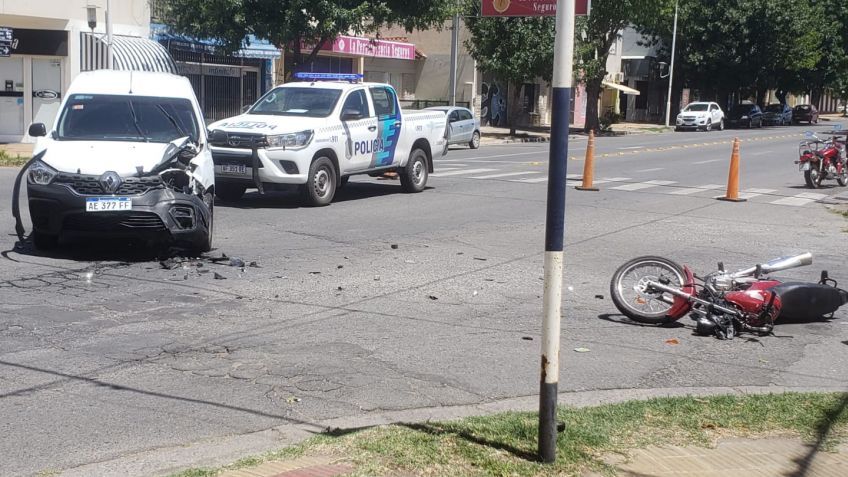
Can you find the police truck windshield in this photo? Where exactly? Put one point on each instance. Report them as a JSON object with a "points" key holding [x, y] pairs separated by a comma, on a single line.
{"points": [[310, 102]]}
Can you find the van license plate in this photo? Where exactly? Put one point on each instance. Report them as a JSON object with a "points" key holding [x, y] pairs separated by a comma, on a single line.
{"points": [[107, 204], [238, 169]]}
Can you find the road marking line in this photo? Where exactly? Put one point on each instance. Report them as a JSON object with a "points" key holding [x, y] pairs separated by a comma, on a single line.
{"points": [[798, 200], [508, 174], [751, 193], [456, 173], [692, 190], [652, 170], [643, 185], [448, 162], [633, 147], [530, 181], [707, 162], [574, 177]]}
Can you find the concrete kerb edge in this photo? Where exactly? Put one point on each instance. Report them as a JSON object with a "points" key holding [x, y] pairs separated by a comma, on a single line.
{"points": [[223, 450]]}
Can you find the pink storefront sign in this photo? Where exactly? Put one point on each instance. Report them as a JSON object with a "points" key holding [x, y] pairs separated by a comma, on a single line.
{"points": [[352, 45]]}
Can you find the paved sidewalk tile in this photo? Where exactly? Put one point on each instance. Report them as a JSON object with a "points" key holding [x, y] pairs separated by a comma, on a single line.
{"points": [[302, 467], [738, 458]]}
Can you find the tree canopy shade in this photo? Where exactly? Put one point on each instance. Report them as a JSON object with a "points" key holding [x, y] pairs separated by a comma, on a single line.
{"points": [[299, 25]]}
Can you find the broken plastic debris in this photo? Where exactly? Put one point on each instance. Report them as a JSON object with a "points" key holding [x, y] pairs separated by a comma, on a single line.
{"points": [[292, 399], [672, 341], [394, 246], [218, 276], [376, 278], [582, 350], [87, 276], [599, 297], [236, 262], [340, 266], [254, 265], [527, 338], [474, 293], [481, 259], [314, 273], [570, 288], [433, 297]]}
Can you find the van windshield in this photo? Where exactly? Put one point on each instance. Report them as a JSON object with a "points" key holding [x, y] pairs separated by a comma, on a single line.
{"points": [[106, 117], [311, 102]]}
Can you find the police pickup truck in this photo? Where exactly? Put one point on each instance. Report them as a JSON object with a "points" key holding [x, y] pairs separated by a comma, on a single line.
{"points": [[317, 132]]}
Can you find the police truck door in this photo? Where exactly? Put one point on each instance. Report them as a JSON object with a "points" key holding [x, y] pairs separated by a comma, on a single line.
{"points": [[359, 131]]}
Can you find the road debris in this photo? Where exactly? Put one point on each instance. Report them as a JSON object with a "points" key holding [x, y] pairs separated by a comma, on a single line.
{"points": [[672, 341], [582, 350], [218, 276]]}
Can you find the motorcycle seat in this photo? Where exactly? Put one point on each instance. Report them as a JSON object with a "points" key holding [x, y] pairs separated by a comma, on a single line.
{"points": [[809, 300]]}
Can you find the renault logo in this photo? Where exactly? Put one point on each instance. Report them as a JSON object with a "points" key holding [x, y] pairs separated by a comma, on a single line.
{"points": [[110, 182]]}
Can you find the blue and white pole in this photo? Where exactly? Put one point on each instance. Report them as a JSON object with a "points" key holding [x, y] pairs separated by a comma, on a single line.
{"points": [[555, 229]]}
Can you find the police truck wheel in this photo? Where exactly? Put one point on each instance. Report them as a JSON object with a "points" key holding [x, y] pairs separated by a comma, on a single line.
{"points": [[413, 177], [230, 192], [320, 186]]}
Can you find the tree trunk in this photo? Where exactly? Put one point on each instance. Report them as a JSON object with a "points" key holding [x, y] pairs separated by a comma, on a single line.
{"points": [[593, 94], [781, 95], [815, 97], [514, 107]]}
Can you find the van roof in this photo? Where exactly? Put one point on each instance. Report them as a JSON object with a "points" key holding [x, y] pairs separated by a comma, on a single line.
{"points": [[141, 83]]}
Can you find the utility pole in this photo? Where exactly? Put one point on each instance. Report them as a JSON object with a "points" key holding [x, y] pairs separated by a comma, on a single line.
{"points": [[671, 66], [454, 48], [555, 228], [110, 60]]}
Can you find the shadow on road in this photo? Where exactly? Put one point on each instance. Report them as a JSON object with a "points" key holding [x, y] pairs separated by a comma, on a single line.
{"points": [[291, 200], [623, 320]]}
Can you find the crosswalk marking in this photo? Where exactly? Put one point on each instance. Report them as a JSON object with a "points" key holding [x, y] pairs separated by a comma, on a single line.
{"points": [[651, 170], [531, 181], [642, 185], [459, 172], [508, 174], [606, 180], [803, 198], [692, 190], [751, 193]]}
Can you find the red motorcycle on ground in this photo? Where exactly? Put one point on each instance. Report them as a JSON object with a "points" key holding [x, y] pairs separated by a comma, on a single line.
{"points": [[823, 159], [656, 290]]}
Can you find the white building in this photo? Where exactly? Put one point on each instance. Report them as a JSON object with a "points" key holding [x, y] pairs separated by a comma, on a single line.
{"points": [[52, 43]]}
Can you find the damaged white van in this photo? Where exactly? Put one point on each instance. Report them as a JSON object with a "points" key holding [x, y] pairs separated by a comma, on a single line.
{"points": [[126, 157]]}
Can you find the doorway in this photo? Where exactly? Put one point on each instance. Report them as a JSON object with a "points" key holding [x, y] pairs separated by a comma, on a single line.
{"points": [[46, 89]]}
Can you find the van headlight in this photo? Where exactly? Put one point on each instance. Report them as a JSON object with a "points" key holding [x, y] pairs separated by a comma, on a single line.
{"points": [[290, 141], [41, 174]]}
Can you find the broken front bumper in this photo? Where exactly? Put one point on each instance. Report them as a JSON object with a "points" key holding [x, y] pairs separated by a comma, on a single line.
{"points": [[159, 214]]}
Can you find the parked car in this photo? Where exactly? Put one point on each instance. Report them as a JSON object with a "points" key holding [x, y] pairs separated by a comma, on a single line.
{"points": [[463, 127], [777, 114], [806, 113], [125, 157], [700, 116], [745, 115]]}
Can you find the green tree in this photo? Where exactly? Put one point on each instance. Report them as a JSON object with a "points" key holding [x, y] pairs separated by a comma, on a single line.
{"points": [[514, 49], [296, 26]]}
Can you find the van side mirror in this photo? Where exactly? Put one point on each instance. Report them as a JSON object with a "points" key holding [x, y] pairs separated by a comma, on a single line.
{"points": [[37, 130]]}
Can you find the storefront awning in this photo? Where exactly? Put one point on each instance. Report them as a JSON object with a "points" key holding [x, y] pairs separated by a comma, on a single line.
{"points": [[622, 88], [251, 48], [128, 53]]}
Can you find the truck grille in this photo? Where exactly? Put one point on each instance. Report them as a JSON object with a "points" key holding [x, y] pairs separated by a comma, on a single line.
{"points": [[90, 185], [237, 140]]}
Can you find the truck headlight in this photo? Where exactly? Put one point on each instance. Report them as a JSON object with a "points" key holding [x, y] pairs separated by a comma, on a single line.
{"points": [[41, 174], [290, 141]]}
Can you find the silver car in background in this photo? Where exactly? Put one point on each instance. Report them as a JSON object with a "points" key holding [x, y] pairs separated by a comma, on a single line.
{"points": [[463, 127]]}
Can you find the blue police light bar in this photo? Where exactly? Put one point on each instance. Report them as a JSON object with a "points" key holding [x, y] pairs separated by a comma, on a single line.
{"points": [[351, 77]]}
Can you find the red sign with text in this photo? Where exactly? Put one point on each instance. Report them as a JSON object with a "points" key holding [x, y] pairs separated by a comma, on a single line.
{"points": [[528, 8]]}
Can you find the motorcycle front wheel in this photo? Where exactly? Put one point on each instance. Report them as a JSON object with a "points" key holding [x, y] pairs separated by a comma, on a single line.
{"points": [[634, 298], [842, 179]]}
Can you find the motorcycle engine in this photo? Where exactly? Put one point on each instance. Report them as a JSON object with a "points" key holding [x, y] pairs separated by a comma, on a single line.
{"points": [[722, 283]]}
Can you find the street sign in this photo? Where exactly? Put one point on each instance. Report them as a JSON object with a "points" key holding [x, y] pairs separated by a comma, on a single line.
{"points": [[5, 41], [528, 8]]}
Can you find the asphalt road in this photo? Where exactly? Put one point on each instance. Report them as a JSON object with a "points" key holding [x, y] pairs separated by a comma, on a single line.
{"points": [[113, 365]]}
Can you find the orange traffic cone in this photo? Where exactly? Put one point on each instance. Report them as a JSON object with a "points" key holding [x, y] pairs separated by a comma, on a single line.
{"points": [[732, 194], [589, 165]]}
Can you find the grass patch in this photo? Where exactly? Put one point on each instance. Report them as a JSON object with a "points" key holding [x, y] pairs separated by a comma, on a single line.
{"points": [[505, 444], [8, 160]]}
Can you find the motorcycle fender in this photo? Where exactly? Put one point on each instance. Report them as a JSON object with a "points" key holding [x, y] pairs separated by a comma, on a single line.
{"points": [[681, 305]]}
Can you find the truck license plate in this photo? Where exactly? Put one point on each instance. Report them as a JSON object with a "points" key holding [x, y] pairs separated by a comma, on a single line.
{"points": [[107, 204], [238, 169]]}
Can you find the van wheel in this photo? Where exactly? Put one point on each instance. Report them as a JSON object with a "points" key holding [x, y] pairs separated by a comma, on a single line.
{"points": [[44, 241], [320, 186], [413, 177], [230, 192], [205, 245]]}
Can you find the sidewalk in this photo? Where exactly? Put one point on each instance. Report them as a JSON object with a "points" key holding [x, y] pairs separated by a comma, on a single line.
{"points": [[17, 149], [500, 135]]}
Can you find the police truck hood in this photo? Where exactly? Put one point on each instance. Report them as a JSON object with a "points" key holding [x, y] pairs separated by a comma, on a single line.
{"points": [[268, 124], [97, 157]]}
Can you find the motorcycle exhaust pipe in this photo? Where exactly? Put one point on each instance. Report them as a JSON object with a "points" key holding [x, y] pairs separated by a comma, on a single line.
{"points": [[778, 264]]}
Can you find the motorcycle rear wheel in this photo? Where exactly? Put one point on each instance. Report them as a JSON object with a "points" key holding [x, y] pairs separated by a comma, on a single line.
{"points": [[630, 295], [813, 176]]}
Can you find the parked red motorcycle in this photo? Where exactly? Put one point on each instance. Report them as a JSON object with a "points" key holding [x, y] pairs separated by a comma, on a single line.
{"points": [[823, 159], [656, 290]]}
